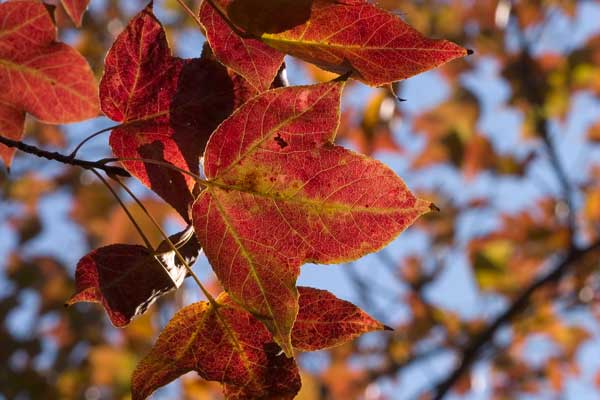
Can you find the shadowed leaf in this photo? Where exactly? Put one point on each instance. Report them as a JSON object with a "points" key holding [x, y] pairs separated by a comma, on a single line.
{"points": [[326, 321], [169, 106], [281, 194], [127, 279], [39, 75], [227, 345]]}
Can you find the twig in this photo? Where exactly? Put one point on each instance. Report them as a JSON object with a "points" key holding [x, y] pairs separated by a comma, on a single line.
{"points": [[54, 156], [472, 350]]}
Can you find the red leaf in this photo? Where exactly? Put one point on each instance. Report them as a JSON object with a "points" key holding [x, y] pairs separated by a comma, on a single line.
{"points": [[279, 194], [127, 279], [250, 58], [354, 36], [75, 9], [227, 345], [169, 106], [38, 75], [11, 126], [326, 321]]}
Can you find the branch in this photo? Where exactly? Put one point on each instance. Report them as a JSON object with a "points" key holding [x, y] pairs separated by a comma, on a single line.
{"points": [[471, 351], [90, 165]]}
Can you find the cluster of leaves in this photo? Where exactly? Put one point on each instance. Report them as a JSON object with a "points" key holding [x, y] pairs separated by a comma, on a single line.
{"points": [[275, 192], [518, 199]]}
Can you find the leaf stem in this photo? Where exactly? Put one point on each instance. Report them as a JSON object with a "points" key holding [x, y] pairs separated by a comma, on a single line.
{"points": [[206, 293], [157, 162], [90, 137], [124, 207], [192, 14]]}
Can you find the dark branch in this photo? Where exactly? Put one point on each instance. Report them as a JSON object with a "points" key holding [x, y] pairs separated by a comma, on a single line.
{"points": [[99, 165], [472, 350]]}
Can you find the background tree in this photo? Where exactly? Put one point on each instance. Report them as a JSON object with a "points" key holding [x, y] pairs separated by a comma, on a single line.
{"points": [[495, 296]]}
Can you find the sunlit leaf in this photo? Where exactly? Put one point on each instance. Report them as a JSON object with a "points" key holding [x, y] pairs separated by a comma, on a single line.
{"points": [[353, 36], [326, 321], [280, 194], [250, 58], [39, 75]]}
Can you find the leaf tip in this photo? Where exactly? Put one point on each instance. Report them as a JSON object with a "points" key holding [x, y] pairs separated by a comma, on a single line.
{"points": [[434, 208], [388, 328]]}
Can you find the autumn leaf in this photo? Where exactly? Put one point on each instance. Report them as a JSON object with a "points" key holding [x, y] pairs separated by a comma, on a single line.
{"points": [[377, 47], [12, 121], [127, 279], [75, 9], [325, 321], [252, 59], [168, 107], [279, 194], [224, 344], [39, 75]]}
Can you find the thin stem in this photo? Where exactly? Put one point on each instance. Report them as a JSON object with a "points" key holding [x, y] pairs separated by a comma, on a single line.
{"points": [[192, 14], [206, 293], [90, 137], [133, 221], [54, 156], [157, 162]]}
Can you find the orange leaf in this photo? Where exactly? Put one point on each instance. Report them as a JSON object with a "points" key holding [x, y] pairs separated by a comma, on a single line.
{"points": [[227, 345]]}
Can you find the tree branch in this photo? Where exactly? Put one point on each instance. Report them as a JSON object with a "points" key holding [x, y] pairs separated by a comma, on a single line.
{"points": [[54, 156], [472, 350]]}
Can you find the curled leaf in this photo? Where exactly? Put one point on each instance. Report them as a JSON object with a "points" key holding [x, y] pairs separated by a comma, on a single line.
{"points": [[127, 279]]}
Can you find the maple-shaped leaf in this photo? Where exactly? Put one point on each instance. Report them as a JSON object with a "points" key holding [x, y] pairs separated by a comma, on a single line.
{"points": [[352, 36], [39, 75], [224, 344], [127, 279], [325, 321], [75, 9], [279, 194], [252, 59], [168, 106]]}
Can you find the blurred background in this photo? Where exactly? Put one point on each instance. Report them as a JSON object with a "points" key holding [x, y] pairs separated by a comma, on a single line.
{"points": [[495, 297]]}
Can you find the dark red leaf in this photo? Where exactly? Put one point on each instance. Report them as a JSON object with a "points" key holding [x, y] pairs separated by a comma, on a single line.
{"points": [[127, 279], [168, 106]]}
